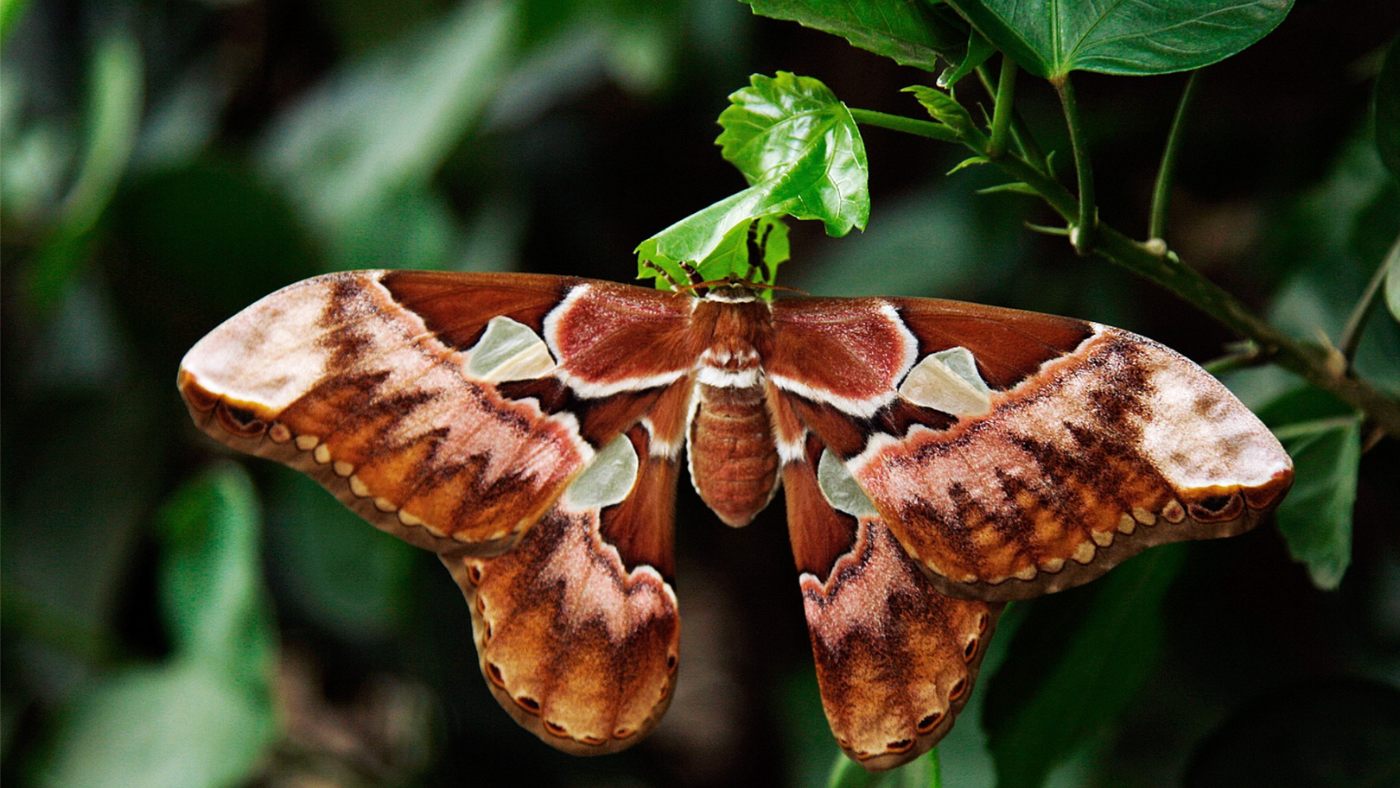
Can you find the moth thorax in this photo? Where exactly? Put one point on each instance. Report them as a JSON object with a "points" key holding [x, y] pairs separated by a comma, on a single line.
{"points": [[733, 460]]}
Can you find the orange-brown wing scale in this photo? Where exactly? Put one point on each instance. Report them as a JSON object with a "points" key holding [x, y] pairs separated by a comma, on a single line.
{"points": [[896, 660], [366, 381], [336, 378], [1093, 445], [579, 648], [576, 628]]}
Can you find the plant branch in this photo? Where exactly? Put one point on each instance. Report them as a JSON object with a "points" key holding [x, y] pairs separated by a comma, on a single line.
{"points": [[1020, 131], [1307, 360], [1166, 173], [1163, 267], [1002, 108], [1086, 218], [1245, 355], [921, 128], [1356, 324]]}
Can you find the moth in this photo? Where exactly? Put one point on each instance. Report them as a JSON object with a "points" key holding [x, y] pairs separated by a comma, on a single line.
{"points": [[937, 459]]}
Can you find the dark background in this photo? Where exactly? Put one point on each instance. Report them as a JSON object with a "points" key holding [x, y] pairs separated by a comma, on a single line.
{"points": [[594, 130]]}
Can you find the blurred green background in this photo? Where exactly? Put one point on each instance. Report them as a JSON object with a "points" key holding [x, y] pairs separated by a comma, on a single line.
{"points": [[175, 616]]}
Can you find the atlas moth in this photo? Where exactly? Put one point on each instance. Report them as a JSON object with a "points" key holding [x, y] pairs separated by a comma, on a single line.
{"points": [[937, 459]]}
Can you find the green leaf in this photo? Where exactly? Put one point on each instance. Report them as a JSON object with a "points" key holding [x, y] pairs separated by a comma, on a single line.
{"points": [[907, 31], [978, 50], [730, 260], [1015, 187], [381, 128], [946, 110], [1050, 38], [1315, 518], [211, 587], [1073, 667], [792, 136], [345, 576], [971, 161], [1386, 109], [177, 726], [206, 718], [113, 117], [802, 154]]}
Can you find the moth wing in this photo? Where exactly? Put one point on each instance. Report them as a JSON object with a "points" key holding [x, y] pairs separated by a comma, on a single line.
{"points": [[449, 409], [576, 628], [1013, 453], [896, 659]]}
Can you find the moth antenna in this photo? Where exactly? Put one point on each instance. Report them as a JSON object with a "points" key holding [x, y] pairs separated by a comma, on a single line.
{"points": [[690, 271], [731, 281], [664, 274], [755, 244]]}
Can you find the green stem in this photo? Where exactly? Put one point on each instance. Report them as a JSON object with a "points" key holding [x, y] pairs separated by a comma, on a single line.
{"points": [[1001, 113], [1086, 218], [921, 128], [1246, 356], [1020, 130], [1356, 324], [935, 769], [845, 773], [1166, 173]]}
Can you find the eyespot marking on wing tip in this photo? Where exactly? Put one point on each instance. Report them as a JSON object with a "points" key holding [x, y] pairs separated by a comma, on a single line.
{"points": [[929, 723], [959, 688]]}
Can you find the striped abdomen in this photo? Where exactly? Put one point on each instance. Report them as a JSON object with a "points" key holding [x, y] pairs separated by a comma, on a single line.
{"points": [[733, 460]]}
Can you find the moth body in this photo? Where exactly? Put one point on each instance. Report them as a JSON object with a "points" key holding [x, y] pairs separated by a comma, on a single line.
{"points": [[731, 449]]}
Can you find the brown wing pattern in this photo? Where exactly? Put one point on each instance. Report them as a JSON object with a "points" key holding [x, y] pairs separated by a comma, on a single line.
{"points": [[896, 659], [577, 647], [336, 378], [1093, 445]]}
